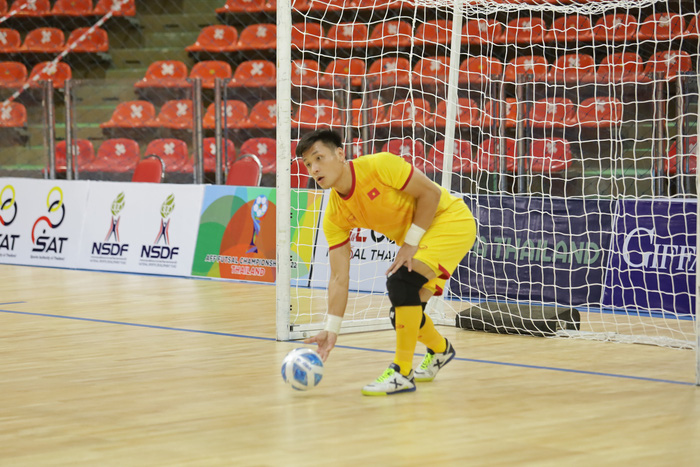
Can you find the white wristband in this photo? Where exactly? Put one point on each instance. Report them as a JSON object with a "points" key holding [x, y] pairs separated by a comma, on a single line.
{"points": [[414, 235], [333, 323]]}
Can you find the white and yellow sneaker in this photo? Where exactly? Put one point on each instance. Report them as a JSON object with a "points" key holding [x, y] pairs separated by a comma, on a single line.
{"points": [[433, 362], [390, 382]]}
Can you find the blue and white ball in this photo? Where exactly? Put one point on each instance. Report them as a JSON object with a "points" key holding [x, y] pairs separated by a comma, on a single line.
{"points": [[260, 206], [302, 369]]}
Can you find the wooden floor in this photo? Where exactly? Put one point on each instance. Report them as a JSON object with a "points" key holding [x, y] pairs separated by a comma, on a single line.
{"points": [[112, 369]]}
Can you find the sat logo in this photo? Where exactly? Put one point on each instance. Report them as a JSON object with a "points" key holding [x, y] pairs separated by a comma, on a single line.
{"points": [[43, 236]]}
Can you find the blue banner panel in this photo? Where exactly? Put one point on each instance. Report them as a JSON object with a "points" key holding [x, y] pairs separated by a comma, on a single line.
{"points": [[653, 259], [549, 250]]}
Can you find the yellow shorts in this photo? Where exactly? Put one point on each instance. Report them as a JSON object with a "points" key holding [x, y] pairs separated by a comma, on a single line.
{"points": [[446, 243]]}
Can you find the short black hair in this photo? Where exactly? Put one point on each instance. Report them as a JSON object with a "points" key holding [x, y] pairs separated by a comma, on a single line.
{"points": [[326, 136]]}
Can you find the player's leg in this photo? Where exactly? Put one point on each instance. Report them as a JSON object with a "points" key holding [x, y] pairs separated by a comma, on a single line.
{"points": [[439, 351]]}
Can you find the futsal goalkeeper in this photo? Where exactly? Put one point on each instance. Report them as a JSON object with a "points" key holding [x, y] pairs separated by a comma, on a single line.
{"points": [[434, 229]]}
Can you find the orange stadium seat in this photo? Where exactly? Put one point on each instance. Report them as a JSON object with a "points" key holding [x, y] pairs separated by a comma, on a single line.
{"points": [[57, 73], [463, 161], [305, 73], [391, 34], [164, 74], [176, 115], [389, 71], [693, 31], [406, 112], [117, 7], [13, 115], [258, 37], [207, 71], [437, 31], [96, 41], [482, 31], [617, 28], [218, 38], [44, 40], [132, 114], [525, 31], [479, 69], [83, 153], [576, 29], [10, 41], [488, 157], [255, 74], [117, 155], [411, 150], [13, 75], [366, 113], [263, 115], [688, 164], [317, 113], [300, 174], [265, 150], [3, 7], [573, 69], [468, 114], [493, 108], [244, 6], [151, 169], [228, 153], [621, 67], [523, 67], [173, 152], [553, 112], [600, 112], [338, 71], [346, 35], [332, 5], [72, 8], [431, 71], [661, 26], [234, 116], [31, 8], [307, 36], [549, 155], [670, 64], [245, 171]]}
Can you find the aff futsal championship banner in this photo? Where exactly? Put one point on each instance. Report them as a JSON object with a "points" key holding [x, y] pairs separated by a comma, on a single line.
{"points": [[372, 254], [41, 221], [654, 244], [549, 250], [140, 227]]}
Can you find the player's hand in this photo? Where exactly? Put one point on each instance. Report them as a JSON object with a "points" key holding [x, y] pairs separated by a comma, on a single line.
{"points": [[404, 257], [326, 342]]}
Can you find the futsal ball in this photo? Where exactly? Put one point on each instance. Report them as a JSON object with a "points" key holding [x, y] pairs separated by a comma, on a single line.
{"points": [[302, 369]]}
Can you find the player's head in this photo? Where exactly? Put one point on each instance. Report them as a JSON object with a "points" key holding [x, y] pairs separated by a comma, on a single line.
{"points": [[323, 155]]}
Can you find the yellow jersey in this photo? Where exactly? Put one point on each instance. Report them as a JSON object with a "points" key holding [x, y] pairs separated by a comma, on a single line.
{"points": [[376, 200]]}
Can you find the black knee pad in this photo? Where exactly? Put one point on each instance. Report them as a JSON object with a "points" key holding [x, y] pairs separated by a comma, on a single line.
{"points": [[404, 287], [392, 316]]}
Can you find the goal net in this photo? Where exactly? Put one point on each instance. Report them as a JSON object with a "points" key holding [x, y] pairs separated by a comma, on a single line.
{"points": [[568, 127]]}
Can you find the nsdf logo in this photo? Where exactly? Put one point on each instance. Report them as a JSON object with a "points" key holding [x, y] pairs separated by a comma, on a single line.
{"points": [[44, 238], [111, 247], [161, 248], [8, 214]]}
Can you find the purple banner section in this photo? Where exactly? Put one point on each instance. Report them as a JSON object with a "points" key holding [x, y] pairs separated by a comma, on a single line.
{"points": [[653, 259], [549, 250]]}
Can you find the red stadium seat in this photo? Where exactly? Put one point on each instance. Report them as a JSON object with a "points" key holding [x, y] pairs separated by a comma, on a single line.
{"points": [[173, 152], [83, 153], [479, 69], [404, 113], [575, 29], [462, 162], [10, 41], [305, 73], [389, 71], [411, 150], [72, 8], [258, 37], [338, 71], [615, 28], [13, 115], [366, 113], [207, 71], [549, 155], [255, 74], [300, 174], [31, 8], [117, 7], [228, 153], [118, 155], [235, 116], [670, 64], [687, 164], [217, 39], [492, 110], [523, 67], [431, 71], [96, 41], [245, 6], [263, 115], [245, 171], [346, 35], [332, 5], [468, 114], [164, 74], [391, 34], [57, 73], [661, 26], [621, 67], [176, 115], [434, 32], [44, 40], [526, 30], [149, 170], [265, 150], [693, 31], [600, 112], [317, 113], [488, 157], [482, 31], [307, 36], [132, 114], [573, 69], [553, 112], [3, 7], [13, 75]]}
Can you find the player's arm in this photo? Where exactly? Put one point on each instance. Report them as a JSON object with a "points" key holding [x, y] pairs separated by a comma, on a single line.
{"points": [[337, 299], [427, 195]]}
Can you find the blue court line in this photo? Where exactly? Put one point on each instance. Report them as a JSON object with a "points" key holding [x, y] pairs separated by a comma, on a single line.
{"points": [[366, 349], [11, 303]]}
